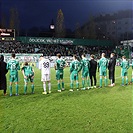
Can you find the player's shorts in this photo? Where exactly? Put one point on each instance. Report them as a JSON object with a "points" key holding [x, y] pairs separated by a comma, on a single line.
{"points": [[59, 75], [85, 74], [74, 76], [45, 77], [103, 73], [124, 73], [14, 78], [29, 77]]}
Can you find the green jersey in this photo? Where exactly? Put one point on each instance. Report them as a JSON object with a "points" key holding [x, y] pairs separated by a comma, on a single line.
{"points": [[124, 65], [103, 64], [13, 66], [132, 64], [60, 64], [74, 66], [85, 65], [28, 71]]}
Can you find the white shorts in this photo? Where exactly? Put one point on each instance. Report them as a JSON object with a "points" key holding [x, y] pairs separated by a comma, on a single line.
{"points": [[45, 77]]}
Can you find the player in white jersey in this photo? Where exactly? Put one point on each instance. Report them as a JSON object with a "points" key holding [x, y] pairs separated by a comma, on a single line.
{"points": [[44, 66]]}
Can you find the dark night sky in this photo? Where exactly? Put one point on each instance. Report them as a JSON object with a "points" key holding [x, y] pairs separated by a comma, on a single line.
{"points": [[41, 12]]}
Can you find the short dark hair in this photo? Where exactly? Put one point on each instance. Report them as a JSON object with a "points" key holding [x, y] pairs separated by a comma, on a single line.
{"points": [[41, 56], [92, 56], [13, 55], [26, 63], [124, 57], [58, 55], [75, 56], [83, 55], [113, 54]]}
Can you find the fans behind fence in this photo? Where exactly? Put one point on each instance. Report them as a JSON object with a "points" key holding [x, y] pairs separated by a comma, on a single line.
{"points": [[50, 49]]}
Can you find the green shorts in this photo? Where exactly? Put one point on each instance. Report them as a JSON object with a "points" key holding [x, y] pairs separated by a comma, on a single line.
{"points": [[85, 74], [74, 76], [103, 73], [59, 75], [29, 77], [14, 78], [124, 73]]}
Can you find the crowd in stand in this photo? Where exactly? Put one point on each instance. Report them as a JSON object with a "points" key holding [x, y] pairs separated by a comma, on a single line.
{"points": [[51, 49]]}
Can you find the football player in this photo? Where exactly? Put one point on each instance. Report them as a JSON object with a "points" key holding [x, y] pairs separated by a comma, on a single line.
{"points": [[74, 70], [85, 65], [44, 66], [28, 73], [103, 64], [60, 64], [124, 70], [13, 66]]}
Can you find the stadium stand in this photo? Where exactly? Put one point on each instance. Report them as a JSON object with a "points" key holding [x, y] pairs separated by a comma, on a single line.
{"points": [[50, 49]]}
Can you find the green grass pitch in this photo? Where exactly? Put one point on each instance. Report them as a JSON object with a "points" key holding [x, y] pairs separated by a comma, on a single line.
{"points": [[106, 110]]}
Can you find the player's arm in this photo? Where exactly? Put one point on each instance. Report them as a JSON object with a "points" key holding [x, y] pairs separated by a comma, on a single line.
{"points": [[99, 63], [7, 66], [65, 64], [33, 73], [40, 65], [71, 67], [121, 64], [18, 66], [89, 64], [80, 67], [107, 63], [128, 65], [23, 73], [55, 66]]}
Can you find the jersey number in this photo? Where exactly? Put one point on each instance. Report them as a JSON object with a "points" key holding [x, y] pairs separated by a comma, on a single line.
{"points": [[46, 64], [13, 66]]}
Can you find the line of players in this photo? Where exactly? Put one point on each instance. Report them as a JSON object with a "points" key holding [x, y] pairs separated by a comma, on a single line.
{"points": [[87, 67]]}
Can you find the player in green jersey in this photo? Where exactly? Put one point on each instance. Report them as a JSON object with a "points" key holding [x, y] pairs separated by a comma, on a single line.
{"points": [[124, 70], [103, 64], [28, 73], [85, 65], [74, 70], [59, 67], [13, 67]]}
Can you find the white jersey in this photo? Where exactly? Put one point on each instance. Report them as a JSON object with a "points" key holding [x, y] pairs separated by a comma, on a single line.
{"points": [[44, 66]]}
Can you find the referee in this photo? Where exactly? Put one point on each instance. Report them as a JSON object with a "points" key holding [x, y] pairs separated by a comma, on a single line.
{"points": [[111, 68]]}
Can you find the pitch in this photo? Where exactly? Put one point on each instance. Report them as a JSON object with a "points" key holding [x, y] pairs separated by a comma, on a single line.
{"points": [[105, 110]]}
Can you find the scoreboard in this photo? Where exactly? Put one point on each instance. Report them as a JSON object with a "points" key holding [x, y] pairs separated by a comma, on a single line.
{"points": [[7, 34]]}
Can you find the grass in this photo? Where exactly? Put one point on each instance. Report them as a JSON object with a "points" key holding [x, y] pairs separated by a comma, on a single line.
{"points": [[106, 110]]}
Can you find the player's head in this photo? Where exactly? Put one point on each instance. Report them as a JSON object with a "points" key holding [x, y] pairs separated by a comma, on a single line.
{"points": [[26, 64], [112, 55], [92, 56], [83, 56], [41, 57], [103, 54], [123, 57], [74, 57], [13, 55], [59, 55], [1, 58]]}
